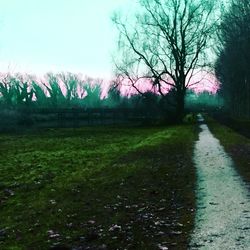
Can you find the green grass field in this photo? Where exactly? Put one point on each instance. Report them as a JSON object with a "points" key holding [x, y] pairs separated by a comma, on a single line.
{"points": [[237, 145], [97, 188]]}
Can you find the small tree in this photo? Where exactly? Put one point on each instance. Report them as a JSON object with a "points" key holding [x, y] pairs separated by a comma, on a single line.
{"points": [[167, 43]]}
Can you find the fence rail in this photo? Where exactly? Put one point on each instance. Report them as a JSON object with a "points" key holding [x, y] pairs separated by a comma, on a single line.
{"points": [[89, 116]]}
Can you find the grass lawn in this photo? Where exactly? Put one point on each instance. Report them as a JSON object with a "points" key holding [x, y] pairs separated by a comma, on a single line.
{"points": [[97, 188], [237, 145]]}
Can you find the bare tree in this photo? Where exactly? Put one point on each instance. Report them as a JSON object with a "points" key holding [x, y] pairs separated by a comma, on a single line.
{"points": [[54, 89], [70, 82], [166, 44], [7, 91], [93, 91], [39, 93], [23, 90], [16, 90]]}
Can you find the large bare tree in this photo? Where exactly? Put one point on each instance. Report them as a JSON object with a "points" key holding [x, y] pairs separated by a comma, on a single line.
{"points": [[165, 44]]}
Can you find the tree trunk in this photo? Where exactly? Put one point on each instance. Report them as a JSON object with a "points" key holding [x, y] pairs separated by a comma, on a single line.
{"points": [[180, 105]]}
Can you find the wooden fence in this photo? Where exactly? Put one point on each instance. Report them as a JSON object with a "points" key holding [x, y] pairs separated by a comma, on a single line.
{"points": [[90, 116]]}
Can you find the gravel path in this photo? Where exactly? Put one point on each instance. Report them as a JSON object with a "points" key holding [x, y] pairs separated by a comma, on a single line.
{"points": [[223, 202]]}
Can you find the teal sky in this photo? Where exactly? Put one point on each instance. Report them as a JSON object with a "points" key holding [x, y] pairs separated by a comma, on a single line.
{"points": [[38, 36]]}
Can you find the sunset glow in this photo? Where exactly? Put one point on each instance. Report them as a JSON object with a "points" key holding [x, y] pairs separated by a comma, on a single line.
{"points": [[58, 36]]}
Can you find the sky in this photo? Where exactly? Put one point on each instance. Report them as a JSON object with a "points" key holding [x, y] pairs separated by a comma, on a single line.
{"points": [[38, 36]]}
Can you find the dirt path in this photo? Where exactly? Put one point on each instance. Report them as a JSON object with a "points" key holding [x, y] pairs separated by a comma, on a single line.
{"points": [[223, 210]]}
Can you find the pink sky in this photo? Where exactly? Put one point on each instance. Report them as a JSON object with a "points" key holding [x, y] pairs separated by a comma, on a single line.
{"points": [[201, 81]]}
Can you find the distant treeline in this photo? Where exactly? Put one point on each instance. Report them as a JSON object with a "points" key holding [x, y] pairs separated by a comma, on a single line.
{"points": [[67, 90], [66, 96], [55, 90]]}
